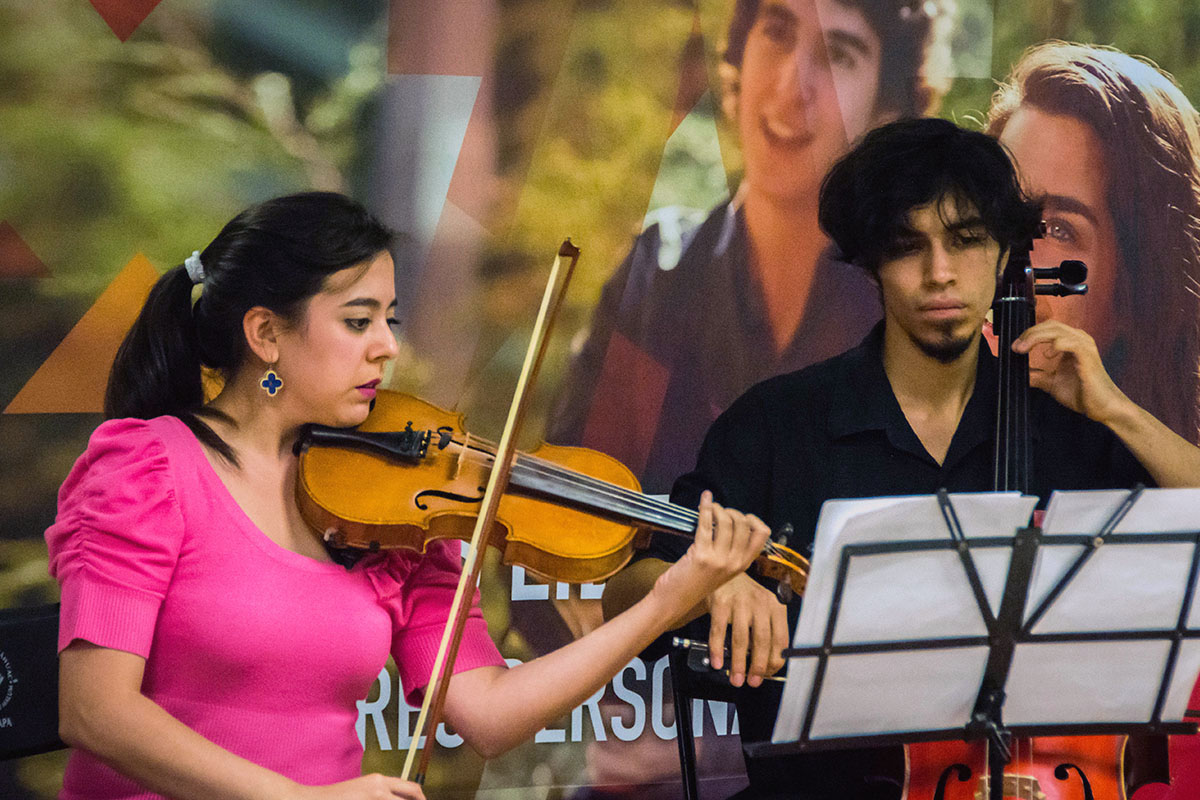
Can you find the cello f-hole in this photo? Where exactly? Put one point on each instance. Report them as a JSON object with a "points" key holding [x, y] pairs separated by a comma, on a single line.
{"points": [[1063, 772], [961, 772]]}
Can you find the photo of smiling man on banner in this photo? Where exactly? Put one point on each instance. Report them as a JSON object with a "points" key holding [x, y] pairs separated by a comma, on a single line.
{"points": [[754, 290]]}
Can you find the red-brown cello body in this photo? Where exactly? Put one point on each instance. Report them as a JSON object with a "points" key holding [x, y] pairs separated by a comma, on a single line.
{"points": [[1043, 768]]}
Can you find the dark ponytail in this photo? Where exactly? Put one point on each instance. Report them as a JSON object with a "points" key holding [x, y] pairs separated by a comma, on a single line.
{"points": [[276, 254], [157, 368]]}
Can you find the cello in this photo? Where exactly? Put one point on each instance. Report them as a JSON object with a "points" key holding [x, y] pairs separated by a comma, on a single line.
{"points": [[1040, 768]]}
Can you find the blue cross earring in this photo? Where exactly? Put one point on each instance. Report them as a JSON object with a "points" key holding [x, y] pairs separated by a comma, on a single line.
{"points": [[271, 382]]}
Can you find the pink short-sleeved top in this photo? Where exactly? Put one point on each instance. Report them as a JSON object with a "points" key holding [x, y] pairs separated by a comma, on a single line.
{"points": [[260, 649]]}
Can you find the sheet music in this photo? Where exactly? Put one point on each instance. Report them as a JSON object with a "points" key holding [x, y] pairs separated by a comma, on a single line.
{"points": [[924, 595], [1123, 587], [897, 597]]}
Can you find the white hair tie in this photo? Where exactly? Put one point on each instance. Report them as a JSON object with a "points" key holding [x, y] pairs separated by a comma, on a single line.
{"points": [[194, 268]]}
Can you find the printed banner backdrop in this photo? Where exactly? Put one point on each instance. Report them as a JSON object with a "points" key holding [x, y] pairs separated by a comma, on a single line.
{"points": [[653, 133]]}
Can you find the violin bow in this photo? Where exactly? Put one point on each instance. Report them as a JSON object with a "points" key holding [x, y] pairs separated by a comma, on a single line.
{"points": [[439, 679]]}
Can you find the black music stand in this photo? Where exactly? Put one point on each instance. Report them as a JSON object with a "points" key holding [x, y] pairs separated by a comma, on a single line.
{"points": [[1009, 651]]}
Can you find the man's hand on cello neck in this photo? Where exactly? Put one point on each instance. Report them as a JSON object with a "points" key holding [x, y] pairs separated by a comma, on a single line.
{"points": [[1065, 363]]}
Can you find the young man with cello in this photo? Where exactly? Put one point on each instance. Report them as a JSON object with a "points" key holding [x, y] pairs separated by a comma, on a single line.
{"points": [[930, 211]]}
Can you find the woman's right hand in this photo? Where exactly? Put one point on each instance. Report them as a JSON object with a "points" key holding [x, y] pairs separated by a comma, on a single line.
{"points": [[367, 787]]}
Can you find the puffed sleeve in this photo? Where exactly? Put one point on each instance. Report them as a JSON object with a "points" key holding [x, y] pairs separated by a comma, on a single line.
{"points": [[417, 591], [116, 539]]}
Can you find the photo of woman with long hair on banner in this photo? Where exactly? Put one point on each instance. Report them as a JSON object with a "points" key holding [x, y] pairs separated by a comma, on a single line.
{"points": [[1112, 146]]}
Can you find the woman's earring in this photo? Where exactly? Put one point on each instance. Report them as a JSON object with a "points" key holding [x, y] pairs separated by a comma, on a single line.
{"points": [[271, 382]]}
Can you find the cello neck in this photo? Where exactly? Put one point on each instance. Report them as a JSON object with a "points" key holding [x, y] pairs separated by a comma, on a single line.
{"points": [[1012, 315]]}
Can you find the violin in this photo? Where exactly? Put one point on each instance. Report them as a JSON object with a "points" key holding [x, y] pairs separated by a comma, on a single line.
{"points": [[411, 474], [1042, 768]]}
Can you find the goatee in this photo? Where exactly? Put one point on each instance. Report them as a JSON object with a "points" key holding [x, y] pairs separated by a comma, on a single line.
{"points": [[947, 348]]}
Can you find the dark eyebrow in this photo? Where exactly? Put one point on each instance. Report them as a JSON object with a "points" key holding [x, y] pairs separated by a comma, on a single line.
{"points": [[369, 302], [779, 13], [966, 224], [1071, 205]]}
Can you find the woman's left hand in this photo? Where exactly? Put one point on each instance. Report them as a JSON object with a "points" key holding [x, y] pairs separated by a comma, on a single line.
{"points": [[725, 543], [1070, 370]]}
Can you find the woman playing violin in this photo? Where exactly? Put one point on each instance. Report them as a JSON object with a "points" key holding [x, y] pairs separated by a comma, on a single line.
{"points": [[191, 586]]}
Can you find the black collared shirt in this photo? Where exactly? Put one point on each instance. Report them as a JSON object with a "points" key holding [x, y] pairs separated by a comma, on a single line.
{"points": [[836, 430]]}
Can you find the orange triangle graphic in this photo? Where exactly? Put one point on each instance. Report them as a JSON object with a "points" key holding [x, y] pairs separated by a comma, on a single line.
{"points": [[124, 16], [17, 260], [72, 379]]}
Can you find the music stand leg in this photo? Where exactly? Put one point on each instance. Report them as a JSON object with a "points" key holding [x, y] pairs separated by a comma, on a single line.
{"points": [[998, 756], [683, 724], [987, 722]]}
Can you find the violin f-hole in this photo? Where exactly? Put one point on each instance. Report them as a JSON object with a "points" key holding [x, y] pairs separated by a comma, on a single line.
{"points": [[462, 498]]}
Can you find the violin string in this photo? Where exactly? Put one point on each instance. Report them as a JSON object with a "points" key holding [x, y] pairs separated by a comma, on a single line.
{"points": [[620, 493], [608, 491], [616, 495], [637, 499], [601, 488], [604, 489]]}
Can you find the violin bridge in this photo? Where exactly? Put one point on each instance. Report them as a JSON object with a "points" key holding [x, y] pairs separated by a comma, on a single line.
{"points": [[462, 454]]}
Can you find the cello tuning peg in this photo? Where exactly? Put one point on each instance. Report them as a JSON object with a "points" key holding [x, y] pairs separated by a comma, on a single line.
{"points": [[1071, 277], [1061, 289], [1073, 272], [1070, 272]]}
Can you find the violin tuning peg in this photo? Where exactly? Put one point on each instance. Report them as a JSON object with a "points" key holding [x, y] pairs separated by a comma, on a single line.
{"points": [[783, 590], [783, 534]]}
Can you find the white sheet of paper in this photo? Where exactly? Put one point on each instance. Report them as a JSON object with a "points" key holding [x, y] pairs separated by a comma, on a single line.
{"points": [[854, 699], [912, 518], [1137, 587], [1071, 682], [1183, 681], [897, 597], [1121, 587], [1172, 510]]}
